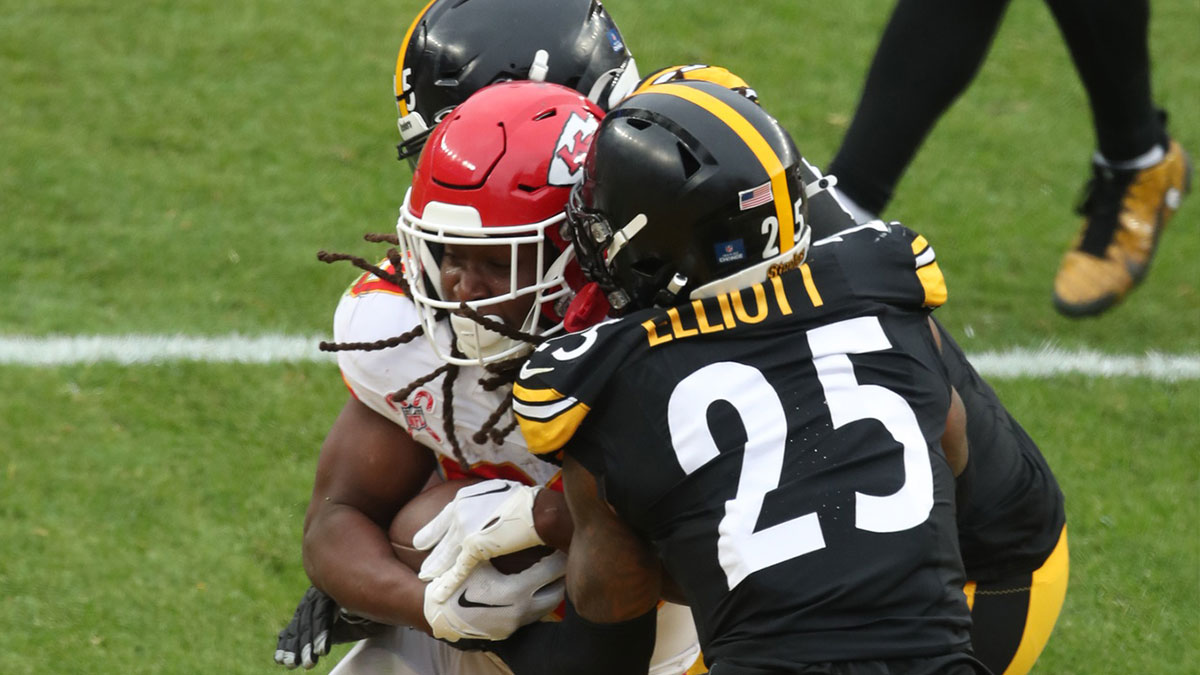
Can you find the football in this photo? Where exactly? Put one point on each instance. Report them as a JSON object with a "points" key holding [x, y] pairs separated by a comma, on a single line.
{"points": [[422, 508]]}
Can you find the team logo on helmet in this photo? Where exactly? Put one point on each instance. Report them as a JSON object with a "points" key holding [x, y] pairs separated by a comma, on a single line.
{"points": [[567, 165]]}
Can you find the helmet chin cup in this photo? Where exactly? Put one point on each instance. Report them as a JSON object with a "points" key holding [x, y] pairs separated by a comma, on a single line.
{"points": [[477, 342]]}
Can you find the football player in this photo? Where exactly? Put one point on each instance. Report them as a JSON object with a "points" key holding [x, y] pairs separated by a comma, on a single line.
{"points": [[478, 273], [778, 438], [929, 53], [1010, 510], [1017, 507], [1011, 516], [453, 48]]}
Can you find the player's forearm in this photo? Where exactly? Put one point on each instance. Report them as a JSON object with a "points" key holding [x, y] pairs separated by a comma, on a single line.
{"points": [[552, 519], [580, 647], [349, 557], [612, 574], [610, 579], [954, 438]]}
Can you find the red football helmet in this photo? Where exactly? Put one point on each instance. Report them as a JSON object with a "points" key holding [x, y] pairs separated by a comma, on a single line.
{"points": [[498, 170]]}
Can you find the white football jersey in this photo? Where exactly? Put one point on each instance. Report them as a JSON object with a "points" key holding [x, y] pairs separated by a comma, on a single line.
{"points": [[373, 309]]}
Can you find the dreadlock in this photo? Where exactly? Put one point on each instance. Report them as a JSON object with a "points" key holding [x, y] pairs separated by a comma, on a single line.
{"points": [[491, 324], [396, 277], [498, 435], [448, 406], [403, 393], [377, 345], [489, 426], [498, 375], [382, 238]]}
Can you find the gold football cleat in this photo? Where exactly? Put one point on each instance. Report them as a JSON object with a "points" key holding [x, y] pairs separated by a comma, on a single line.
{"points": [[1125, 213]]}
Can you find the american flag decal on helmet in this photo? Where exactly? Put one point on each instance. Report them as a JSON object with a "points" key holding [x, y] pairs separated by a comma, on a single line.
{"points": [[748, 199]]}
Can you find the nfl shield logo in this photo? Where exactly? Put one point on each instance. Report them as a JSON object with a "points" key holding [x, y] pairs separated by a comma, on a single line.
{"points": [[414, 413], [414, 417]]}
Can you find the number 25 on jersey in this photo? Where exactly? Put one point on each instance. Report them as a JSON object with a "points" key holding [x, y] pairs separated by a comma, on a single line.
{"points": [[740, 550]]}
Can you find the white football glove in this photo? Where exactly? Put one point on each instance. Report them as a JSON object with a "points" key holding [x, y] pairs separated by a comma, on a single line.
{"points": [[485, 520], [491, 606]]}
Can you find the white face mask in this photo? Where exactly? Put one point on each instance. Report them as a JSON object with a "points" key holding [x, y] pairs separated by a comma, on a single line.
{"points": [[476, 342], [461, 226]]}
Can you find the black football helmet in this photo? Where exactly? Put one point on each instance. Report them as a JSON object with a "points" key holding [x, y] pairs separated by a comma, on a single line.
{"points": [[698, 72], [456, 47], [689, 190]]}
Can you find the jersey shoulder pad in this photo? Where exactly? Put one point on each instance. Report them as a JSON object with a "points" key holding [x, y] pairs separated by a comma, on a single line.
{"points": [[561, 380], [886, 262], [368, 316], [369, 282]]}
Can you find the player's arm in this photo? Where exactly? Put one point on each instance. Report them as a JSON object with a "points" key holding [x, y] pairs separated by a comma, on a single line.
{"points": [[552, 519], [368, 469], [580, 647], [612, 573], [613, 581], [954, 438]]}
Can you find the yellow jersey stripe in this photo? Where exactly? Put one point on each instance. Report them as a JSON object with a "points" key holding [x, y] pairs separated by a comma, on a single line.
{"points": [[934, 284], [535, 395], [757, 144], [919, 244], [400, 98], [548, 436], [928, 273]]}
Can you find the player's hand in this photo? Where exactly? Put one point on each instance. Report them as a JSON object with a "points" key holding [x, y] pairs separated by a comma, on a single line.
{"points": [[318, 624], [485, 520], [491, 606]]}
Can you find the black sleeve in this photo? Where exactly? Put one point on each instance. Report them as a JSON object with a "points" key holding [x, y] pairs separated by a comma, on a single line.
{"points": [[578, 646]]}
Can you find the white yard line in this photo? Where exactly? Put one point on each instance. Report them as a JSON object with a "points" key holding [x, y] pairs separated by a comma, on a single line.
{"points": [[144, 349], [150, 349], [1051, 361]]}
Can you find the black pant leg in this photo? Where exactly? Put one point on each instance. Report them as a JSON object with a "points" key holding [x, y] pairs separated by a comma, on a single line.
{"points": [[1108, 41], [930, 51]]}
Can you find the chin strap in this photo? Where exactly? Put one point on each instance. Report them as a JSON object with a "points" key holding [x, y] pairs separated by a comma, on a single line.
{"points": [[669, 296]]}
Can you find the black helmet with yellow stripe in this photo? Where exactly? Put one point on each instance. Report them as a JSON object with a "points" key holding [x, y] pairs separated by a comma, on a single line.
{"points": [[698, 72], [689, 190], [456, 47]]}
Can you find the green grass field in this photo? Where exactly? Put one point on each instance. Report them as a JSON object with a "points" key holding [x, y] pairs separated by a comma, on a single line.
{"points": [[172, 167]]}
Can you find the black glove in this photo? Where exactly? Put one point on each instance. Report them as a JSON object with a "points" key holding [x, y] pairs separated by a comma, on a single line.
{"points": [[317, 625]]}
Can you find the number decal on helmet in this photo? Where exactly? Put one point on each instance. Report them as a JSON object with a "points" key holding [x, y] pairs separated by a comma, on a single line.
{"points": [[800, 229], [411, 100], [770, 227]]}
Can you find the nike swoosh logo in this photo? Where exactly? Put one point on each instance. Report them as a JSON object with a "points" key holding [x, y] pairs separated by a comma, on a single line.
{"points": [[502, 488], [527, 372], [469, 604]]}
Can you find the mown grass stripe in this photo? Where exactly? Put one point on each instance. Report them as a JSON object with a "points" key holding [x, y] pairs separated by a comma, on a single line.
{"points": [[1043, 362]]}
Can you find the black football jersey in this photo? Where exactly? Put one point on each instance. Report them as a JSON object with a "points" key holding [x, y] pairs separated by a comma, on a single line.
{"points": [[1011, 510], [780, 447]]}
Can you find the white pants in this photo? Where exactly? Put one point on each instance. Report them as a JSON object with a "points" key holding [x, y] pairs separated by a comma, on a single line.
{"points": [[404, 651]]}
